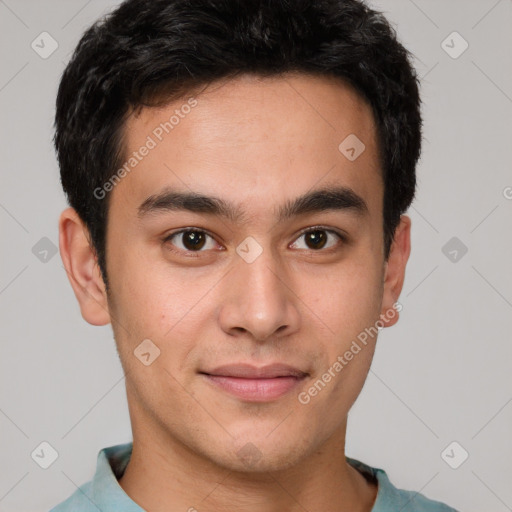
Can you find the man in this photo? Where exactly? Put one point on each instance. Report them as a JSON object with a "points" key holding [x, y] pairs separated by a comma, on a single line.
{"points": [[237, 174]]}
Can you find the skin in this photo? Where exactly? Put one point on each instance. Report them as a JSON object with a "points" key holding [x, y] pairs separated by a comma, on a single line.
{"points": [[256, 142]]}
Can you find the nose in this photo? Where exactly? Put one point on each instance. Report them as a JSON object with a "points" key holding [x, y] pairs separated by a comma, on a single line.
{"points": [[259, 300]]}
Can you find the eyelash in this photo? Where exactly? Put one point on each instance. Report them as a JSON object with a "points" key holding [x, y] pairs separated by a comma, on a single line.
{"points": [[189, 253]]}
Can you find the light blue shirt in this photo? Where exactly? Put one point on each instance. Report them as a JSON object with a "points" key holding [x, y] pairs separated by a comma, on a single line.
{"points": [[104, 494]]}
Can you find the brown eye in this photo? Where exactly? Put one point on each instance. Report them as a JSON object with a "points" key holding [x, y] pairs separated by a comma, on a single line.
{"points": [[192, 240], [317, 239]]}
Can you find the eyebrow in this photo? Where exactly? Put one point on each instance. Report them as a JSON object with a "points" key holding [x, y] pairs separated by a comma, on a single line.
{"points": [[329, 198]]}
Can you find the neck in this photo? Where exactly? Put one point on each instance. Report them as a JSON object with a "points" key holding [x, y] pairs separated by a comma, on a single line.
{"points": [[163, 474]]}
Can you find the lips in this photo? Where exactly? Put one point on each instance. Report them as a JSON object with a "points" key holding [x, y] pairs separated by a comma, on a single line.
{"points": [[246, 371], [255, 384]]}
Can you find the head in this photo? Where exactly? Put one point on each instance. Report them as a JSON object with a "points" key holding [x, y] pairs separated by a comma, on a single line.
{"points": [[248, 122]]}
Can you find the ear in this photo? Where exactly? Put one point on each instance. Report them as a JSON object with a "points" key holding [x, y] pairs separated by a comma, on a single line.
{"points": [[394, 273], [82, 268]]}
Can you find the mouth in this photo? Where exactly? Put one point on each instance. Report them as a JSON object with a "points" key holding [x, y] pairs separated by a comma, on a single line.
{"points": [[255, 384]]}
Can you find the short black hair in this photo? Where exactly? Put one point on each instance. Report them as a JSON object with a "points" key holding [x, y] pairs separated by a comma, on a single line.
{"points": [[147, 52]]}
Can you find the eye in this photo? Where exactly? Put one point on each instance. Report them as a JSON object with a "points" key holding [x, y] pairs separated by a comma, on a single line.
{"points": [[191, 240], [194, 240], [317, 238]]}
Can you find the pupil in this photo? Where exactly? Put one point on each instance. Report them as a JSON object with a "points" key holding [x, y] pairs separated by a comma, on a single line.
{"points": [[195, 239], [317, 238]]}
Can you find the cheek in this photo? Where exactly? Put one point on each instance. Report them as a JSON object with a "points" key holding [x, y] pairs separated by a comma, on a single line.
{"points": [[349, 303], [144, 295], [348, 299], [141, 306], [157, 303]]}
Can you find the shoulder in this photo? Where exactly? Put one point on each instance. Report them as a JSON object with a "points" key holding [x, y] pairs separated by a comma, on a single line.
{"points": [[79, 501], [390, 499], [411, 501]]}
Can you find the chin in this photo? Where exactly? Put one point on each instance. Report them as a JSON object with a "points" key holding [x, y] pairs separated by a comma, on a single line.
{"points": [[260, 453]]}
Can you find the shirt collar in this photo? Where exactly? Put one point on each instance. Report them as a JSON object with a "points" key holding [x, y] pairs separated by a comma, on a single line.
{"points": [[107, 494]]}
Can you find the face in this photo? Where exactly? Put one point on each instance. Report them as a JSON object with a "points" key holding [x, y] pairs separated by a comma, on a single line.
{"points": [[250, 303]]}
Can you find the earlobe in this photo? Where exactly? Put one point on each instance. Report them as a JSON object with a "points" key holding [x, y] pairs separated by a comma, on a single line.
{"points": [[81, 266], [395, 272]]}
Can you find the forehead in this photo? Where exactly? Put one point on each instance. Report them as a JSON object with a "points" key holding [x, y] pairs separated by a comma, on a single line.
{"points": [[253, 138]]}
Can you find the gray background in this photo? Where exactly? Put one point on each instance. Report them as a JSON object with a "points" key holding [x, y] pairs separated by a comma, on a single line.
{"points": [[441, 375]]}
